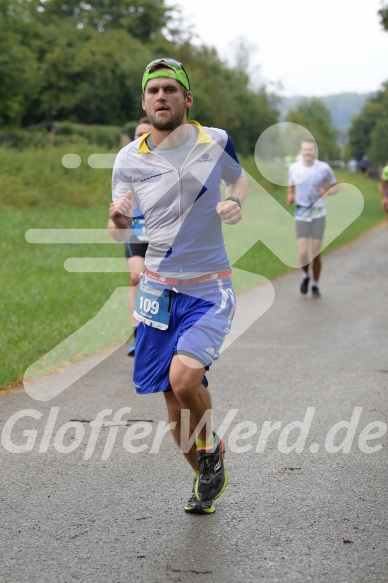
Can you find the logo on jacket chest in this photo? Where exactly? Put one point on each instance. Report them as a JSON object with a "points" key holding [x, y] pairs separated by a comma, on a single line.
{"points": [[145, 167], [205, 158]]}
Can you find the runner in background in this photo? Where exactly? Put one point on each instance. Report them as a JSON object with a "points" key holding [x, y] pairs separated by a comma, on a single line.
{"points": [[384, 187], [136, 247], [307, 186]]}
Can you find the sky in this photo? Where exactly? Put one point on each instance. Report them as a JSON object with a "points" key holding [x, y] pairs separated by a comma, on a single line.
{"points": [[312, 47]]}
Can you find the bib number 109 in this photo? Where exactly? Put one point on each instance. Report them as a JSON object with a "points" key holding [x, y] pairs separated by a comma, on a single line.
{"points": [[153, 306], [149, 306]]}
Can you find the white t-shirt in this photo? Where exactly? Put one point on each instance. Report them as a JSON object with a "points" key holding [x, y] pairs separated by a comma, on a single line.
{"points": [[308, 180]]}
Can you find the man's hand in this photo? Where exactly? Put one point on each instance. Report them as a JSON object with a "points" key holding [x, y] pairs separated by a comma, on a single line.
{"points": [[384, 204], [290, 194], [121, 213], [229, 212], [333, 189], [290, 198]]}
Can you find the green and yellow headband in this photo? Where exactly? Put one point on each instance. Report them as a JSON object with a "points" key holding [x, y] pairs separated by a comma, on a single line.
{"points": [[176, 71]]}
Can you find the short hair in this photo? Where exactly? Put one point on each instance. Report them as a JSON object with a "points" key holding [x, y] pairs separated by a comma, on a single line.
{"points": [[143, 120], [309, 141]]}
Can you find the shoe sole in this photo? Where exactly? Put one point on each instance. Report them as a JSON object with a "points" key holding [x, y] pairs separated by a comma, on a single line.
{"points": [[191, 510]]}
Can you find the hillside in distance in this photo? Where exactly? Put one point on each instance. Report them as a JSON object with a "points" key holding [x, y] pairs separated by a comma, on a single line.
{"points": [[342, 106]]}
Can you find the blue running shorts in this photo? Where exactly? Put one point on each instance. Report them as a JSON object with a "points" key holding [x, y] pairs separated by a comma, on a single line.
{"points": [[201, 316]]}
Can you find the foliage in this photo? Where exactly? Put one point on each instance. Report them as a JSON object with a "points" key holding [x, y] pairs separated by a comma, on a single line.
{"points": [[366, 135], [106, 136], [83, 63], [378, 150], [141, 19], [313, 115], [62, 133], [361, 129], [102, 76], [19, 74], [383, 13]]}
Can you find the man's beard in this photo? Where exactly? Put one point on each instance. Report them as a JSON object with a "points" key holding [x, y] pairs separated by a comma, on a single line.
{"points": [[167, 124]]}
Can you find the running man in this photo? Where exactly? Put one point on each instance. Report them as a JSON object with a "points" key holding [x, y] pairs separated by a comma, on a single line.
{"points": [[136, 247], [307, 187], [186, 303], [384, 187]]}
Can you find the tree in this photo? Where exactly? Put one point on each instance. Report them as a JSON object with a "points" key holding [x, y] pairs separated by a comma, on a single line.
{"points": [[378, 150], [362, 127], [19, 68], [313, 115], [141, 19], [383, 13], [89, 81], [83, 62], [364, 135]]}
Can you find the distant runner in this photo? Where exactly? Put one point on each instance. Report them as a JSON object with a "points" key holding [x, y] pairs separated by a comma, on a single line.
{"points": [[384, 187], [307, 180], [136, 247]]}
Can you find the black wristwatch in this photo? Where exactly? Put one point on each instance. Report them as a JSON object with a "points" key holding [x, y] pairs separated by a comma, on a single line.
{"points": [[235, 200]]}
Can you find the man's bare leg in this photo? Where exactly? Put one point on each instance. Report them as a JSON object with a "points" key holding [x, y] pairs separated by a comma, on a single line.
{"points": [[317, 265], [175, 415], [303, 255], [317, 261], [189, 404], [186, 375]]}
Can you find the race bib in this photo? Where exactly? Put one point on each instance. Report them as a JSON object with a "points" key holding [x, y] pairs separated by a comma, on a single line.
{"points": [[303, 214], [153, 306], [308, 213]]}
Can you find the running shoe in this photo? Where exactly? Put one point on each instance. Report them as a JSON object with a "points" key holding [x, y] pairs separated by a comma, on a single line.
{"points": [[304, 286], [315, 291], [198, 506], [213, 476]]}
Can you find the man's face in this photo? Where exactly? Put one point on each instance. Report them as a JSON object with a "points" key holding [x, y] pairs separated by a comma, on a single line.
{"points": [[308, 152], [165, 103], [142, 128]]}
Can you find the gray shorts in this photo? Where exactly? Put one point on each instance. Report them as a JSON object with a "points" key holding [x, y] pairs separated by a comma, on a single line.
{"points": [[313, 228]]}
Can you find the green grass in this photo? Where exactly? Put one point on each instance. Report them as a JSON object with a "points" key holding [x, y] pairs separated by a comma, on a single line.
{"points": [[43, 304]]}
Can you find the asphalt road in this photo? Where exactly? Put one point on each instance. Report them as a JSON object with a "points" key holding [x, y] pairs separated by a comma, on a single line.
{"points": [[81, 505]]}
